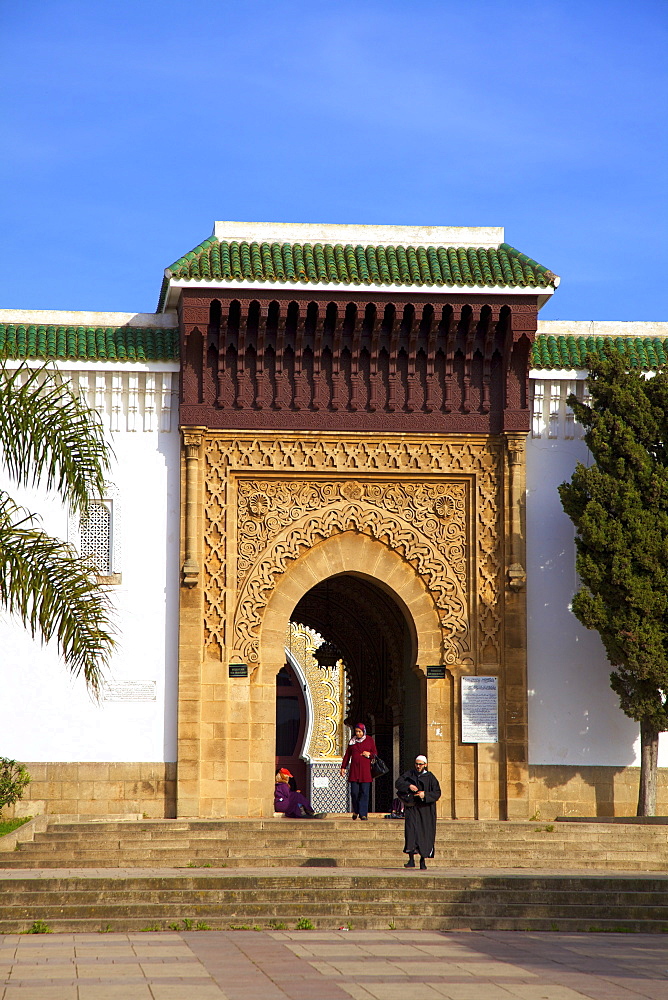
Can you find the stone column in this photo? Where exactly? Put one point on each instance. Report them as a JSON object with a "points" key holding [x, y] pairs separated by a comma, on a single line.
{"points": [[465, 793], [190, 631], [515, 672], [441, 739]]}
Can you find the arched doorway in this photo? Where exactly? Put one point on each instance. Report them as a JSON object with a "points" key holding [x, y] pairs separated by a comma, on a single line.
{"points": [[376, 650], [388, 626], [291, 723]]}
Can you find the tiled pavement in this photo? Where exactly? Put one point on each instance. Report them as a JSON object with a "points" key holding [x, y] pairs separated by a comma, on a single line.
{"points": [[334, 965]]}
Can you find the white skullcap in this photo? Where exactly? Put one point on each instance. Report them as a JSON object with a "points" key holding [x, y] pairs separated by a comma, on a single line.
{"points": [[421, 758]]}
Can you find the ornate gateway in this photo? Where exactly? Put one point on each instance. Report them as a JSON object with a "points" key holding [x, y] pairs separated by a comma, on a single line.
{"points": [[354, 407]]}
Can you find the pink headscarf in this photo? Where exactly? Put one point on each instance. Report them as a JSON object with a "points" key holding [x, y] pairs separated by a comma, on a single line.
{"points": [[359, 739]]}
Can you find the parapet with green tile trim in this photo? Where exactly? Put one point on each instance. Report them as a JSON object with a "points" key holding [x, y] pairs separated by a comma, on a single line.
{"points": [[88, 343], [644, 353], [326, 263]]}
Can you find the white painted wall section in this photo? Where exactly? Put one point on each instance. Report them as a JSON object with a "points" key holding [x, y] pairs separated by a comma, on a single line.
{"points": [[574, 716], [48, 715]]}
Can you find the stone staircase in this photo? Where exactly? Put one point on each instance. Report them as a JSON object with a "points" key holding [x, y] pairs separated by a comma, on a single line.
{"points": [[359, 900], [340, 843], [150, 874]]}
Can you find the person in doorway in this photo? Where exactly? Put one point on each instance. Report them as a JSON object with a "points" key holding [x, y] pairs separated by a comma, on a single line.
{"points": [[292, 803], [358, 755], [419, 790]]}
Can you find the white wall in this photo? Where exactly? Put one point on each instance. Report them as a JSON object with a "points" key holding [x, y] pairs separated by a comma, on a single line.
{"points": [[49, 716], [574, 716]]}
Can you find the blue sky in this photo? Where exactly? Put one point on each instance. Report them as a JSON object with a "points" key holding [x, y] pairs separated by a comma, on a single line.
{"points": [[130, 127]]}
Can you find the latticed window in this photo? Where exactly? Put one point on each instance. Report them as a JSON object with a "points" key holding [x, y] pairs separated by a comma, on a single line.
{"points": [[96, 536]]}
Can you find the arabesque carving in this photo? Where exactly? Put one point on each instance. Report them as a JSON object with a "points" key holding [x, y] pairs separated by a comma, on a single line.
{"points": [[434, 509], [396, 532], [446, 527]]}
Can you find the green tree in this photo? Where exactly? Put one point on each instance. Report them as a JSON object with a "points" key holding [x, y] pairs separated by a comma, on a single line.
{"points": [[48, 436], [619, 506]]}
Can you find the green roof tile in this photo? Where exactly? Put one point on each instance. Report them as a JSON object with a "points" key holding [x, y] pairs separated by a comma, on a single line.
{"points": [[88, 343], [644, 353], [358, 265]]}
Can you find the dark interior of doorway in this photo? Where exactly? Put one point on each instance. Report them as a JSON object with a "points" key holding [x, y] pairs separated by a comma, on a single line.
{"points": [[290, 725], [366, 625]]}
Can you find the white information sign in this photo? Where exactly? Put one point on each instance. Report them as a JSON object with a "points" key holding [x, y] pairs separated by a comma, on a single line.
{"points": [[129, 691], [480, 710], [320, 781]]}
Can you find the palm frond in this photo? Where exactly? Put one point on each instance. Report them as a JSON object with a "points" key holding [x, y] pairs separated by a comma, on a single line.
{"points": [[55, 593], [48, 434]]}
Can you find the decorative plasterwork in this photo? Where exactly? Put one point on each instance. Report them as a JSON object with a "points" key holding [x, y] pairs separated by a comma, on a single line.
{"points": [[401, 515], [327, 690], [448, 527], [131, 401], [551, 416]]}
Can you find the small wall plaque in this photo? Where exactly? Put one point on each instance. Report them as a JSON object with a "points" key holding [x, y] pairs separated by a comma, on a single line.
{"points": [[436, 673], [129, 691], [237, 670]]}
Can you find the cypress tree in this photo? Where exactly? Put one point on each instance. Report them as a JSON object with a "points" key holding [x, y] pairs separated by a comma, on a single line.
{"points": [[619, 506]]}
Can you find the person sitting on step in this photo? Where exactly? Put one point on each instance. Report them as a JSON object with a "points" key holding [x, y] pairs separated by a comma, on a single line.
{"points": [[291, 802]]}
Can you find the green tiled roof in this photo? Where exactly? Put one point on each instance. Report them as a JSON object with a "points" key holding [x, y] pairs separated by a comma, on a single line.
{"points": [[88, 343], [645, 353], [214, 260]]}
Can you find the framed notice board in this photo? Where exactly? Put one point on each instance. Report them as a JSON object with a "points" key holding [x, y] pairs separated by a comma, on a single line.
{"points": [[480, 710]]}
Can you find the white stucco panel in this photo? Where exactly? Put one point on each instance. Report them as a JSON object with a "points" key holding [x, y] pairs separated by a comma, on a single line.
{"points": [[574, 716], [47, 715]]}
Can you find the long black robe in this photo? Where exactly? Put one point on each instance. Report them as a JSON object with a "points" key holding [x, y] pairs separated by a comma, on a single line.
{"points": [[420, 814]]}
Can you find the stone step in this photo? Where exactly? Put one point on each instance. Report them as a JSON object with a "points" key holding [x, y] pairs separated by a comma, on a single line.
{"points": [[338, 908], [319, 862], [260, 848], [251, 856], [453, 853], [339, 846], [480, 828], [367, 901], [338, 843], [318, 828]]}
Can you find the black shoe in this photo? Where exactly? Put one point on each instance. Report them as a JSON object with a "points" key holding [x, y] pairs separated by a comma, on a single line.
{"points": [[364, 817], [354, 815], [410, 863], [423, 865]]}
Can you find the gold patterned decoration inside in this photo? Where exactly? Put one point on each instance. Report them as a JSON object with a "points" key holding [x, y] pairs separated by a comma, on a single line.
{"points": [[327, 691]]}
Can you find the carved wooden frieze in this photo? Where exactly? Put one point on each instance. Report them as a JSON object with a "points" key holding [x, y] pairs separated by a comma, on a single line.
{"points": [[379, 361]]}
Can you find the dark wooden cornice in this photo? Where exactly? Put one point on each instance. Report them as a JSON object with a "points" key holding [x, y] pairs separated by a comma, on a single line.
{"points": [[356, 360]]}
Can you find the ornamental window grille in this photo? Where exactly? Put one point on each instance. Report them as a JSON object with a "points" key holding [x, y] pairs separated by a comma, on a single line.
{"points": [[96, 535], [96, 528]]}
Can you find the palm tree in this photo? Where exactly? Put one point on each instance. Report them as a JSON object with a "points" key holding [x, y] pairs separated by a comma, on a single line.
{"points": [[49, 436]]}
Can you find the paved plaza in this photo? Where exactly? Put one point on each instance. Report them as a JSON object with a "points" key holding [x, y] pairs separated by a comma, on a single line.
{"points": [[333, 965]]}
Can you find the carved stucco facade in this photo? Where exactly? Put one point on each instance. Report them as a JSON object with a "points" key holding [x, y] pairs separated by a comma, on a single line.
{"points": [[435, 520]]}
